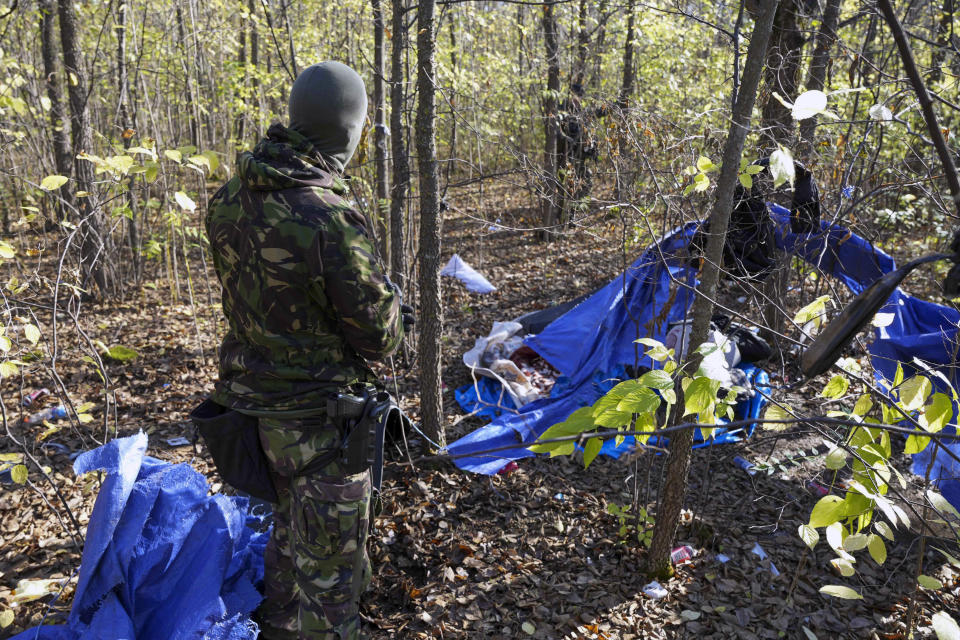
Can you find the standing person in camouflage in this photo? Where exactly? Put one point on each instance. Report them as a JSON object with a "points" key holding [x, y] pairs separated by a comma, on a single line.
{"points": [[307, 306]]}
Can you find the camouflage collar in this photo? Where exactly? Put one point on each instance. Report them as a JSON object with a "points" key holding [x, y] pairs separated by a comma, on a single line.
{"points": [[284, 159]]}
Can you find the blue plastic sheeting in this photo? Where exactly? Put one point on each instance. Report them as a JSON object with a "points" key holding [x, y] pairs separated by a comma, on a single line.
{"points": [[919, 329], [162, 559], [587, 344]]}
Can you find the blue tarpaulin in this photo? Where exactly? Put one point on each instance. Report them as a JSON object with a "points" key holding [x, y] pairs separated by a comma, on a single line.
{"points": [[597, 336], [162, 559]]}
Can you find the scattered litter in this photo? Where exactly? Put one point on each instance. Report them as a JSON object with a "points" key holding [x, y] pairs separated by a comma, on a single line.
{"points": [[472, 280], [33, 398], [681, 555], [509, 468], [177, 442], [655, 590], [722, 559], [741, 299], [760, 553], [745, 464], [817, 488], [56, 447], [490, 357], [165, 385], [53, 413], [559, 497]]}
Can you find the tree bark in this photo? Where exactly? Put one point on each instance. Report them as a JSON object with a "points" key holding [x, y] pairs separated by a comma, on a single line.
{"points": [[626, 87], [431, 312], [583, 40], [678, 462], [782, 73], [939, 51], [240, 119], [817, 75], [127, 127], [401, 164], [59, 125], [550, 210], [96, 248], [381, 179]]}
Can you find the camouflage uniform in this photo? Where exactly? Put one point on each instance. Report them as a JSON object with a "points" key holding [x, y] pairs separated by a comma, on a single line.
{"points": [[307, 306]]}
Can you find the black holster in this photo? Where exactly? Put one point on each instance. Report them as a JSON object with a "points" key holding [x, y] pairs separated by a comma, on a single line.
{"points": [[233, 440], [365, 419]]}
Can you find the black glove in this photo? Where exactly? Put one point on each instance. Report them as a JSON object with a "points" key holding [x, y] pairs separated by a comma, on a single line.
{"points": [[408, 319]]}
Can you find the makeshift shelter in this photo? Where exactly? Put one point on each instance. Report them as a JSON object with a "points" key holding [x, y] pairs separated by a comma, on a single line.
{"points": [[592, 343]]}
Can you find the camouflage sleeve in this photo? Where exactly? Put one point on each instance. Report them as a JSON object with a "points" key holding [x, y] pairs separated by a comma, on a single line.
{"points": [[367, 307]]}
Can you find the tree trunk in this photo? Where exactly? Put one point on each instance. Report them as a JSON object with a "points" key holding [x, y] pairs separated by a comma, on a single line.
{"points": [[431, 313], [782, 74], [626, 87], [583, 40], [96, 248], [939, 52], [58, 121], [453, 100], [127, 127], [817, 75], [550, 209], [401, 164], [240, 119], [678, 462], [381, 179]]}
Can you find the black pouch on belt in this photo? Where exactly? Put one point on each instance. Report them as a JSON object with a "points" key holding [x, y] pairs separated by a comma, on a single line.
{"points": [[233, 440]]}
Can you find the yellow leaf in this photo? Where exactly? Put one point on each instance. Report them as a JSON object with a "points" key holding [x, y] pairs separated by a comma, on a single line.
{"points": [[6, 618], [19, 474], [184, 201], [173, 154], [32, 333], [7, 369], [54, 182]]}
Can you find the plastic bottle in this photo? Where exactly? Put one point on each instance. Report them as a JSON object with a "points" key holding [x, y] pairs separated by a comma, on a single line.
{"points": [[682, 554], [53, 413], [745, 464]]}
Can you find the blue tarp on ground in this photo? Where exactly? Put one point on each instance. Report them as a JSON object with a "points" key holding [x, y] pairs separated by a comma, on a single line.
{"points": [[597, 335], [162, 559], [918, 329]]}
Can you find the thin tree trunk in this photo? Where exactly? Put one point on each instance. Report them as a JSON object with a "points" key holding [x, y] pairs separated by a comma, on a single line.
{"points": [[59, 125], [96, 250], [401, 166], [626, 87], [782, 73], [127, 127], [939, 52], [192, 109], [550, 209], [583, 40], [678, 462], [240, 119], [817, 75], [255, 60], [381, 180], [431, 312], [453, 100]]}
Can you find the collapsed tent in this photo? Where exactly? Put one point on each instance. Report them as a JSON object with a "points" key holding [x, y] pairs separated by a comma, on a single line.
{"points": [[595, 340], [162, 559]]}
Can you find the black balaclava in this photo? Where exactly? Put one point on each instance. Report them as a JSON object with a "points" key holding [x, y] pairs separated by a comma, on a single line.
{"points": [[328, 104]]}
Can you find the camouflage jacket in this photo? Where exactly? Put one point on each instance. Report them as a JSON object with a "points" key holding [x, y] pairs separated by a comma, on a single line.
{"points": [[303, 292]]}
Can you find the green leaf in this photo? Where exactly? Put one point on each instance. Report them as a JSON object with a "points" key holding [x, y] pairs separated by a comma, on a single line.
{"points": [[836, 459], [809, 104], [863, 406], [944, 626], [938, 413], [6, 250], [837, 386], [915, 444], [884, 529], [590, 450], [951, 559], [657, 379], [19, 474], [173, 154], [579, 421], [31, 333], [54, 182], [844, 566], [746, 180], [700, 395], [878, 550], [929, 582], [940, 504], [829, 509], [120, 353], [705, 165], [809, 535], [811, 311], [914, 392], [701, 182], [185, 202], [8, 369], [781, 167], [839, 591], [200, 161], [855, 542]]}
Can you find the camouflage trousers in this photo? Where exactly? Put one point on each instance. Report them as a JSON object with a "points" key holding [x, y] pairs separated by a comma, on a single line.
{"points": [[316, 562]]}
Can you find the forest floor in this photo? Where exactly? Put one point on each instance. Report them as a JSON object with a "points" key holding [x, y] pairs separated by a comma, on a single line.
{"points": [[531, 553]]}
